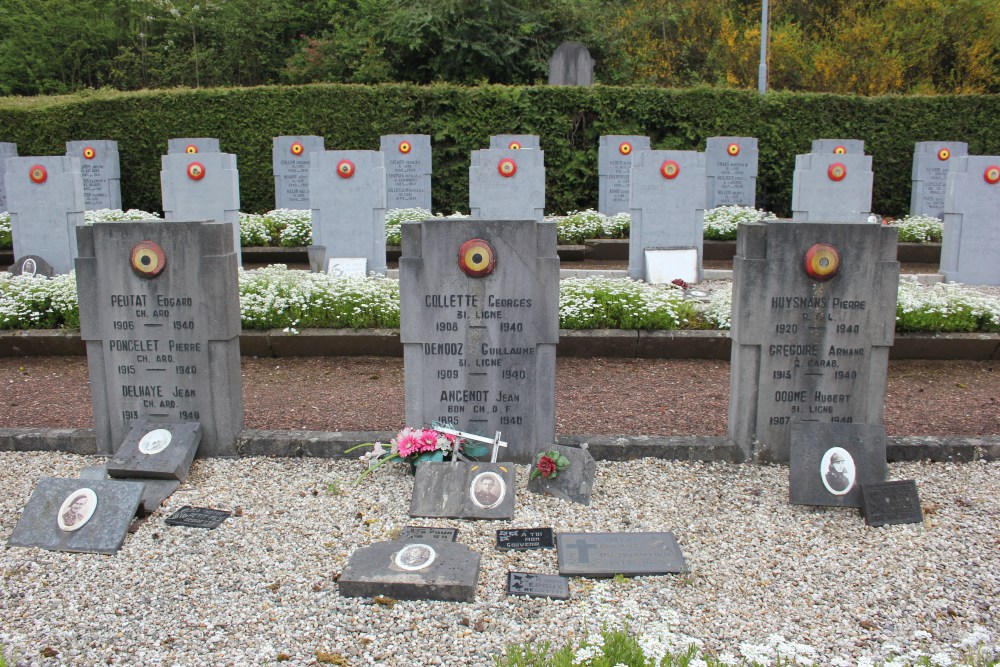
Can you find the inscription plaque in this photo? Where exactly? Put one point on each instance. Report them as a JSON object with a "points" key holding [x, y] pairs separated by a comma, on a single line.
{"points": [[101, 172], [525, 539], [408, 166], [410, 533], [538, 585], [627, 554], [614, 167], [197, 517], [931, 161], [290, 159], [731, 170], [891, 503]]}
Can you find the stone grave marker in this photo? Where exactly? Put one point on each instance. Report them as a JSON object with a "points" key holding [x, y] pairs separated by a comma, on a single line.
{"points": [[627, 554], [195, 145], [614, 171], [538, 585], [891, 503], [348, 209], [101, 172], [668, 206], [290, 159], [408, 168], [156, 450], [464, 490], [45, 202], [814, 313], [84, 516], [197, 517], [575, 483], [407, 570], [525, 539], [838, 146], [931, 160], [507, 185], [7, 149], [571, 65], [160, 315], [514, 142], [479, 323], [970, 246], [829, 462], [154, 491], [731, 170], [421, 533], [832, 188], [31, 265], [202, 187]]}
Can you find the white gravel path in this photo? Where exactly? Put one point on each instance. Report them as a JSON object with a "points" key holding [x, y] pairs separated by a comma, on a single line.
{"points": [[263, 584]]}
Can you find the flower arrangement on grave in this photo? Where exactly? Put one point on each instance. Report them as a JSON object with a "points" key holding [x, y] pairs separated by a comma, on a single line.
{"points": [[415, 446], [548, 465]]}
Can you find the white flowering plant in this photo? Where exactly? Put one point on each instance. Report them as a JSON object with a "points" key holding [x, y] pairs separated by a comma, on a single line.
{"points": [[722, 222], [394, 217], [37, 302], [291, 228], [621, 303], [253, 230], [578, 226], [118, 215], [6, 240], [919, 229], [945, 307]]}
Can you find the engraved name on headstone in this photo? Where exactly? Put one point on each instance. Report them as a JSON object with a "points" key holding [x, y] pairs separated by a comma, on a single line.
{"points": [[193, 145], [931, 160], [891, 503], [525, 539], [160, 315], [731, 169], [538, 585], [204, 186], [514, 141], [614, 171], [832, 187], [7, 149], [971, 242], [101, 172], [627, 554], [408, 167], [814, 313], [506, 184], [571, 65], [290, 165]]}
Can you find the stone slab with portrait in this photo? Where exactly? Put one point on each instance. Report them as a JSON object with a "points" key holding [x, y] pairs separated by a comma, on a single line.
{"points": [[156, 451], [154, 491], [412, 570], [85, 516], [829, 462], [464, 490]]}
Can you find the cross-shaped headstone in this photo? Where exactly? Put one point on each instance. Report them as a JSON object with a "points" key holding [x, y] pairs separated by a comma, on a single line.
{"points": [[583, 548]]}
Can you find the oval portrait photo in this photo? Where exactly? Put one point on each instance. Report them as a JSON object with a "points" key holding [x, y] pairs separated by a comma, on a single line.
{"points": [[77, 509], [487, 490], [415, 557], [155, 441], [837, 470]]}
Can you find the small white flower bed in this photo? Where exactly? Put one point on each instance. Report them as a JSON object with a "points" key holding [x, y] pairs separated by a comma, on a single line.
{"points": [[722, 222], [118, 215], [919, 229], [577, 226]]}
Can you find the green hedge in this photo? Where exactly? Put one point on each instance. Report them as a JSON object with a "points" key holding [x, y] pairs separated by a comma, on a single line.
{"points": [[460, 119]]}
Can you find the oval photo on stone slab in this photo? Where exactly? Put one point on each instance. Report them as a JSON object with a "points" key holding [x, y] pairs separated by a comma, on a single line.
{"points": [[487, 490], [77, 509], [155, 441], [414, 557], [837, 471]]}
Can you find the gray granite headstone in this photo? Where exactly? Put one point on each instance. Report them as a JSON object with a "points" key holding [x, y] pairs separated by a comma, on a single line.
{"points": [[829, 462], [479, 347], [45, 202], [464, 490], [290, 158], [101, 172], [347, 197], [412, 570], [7, 149], [931, 160], [205, 187], [514, 141], [970, 247], [156, 450], [408, 168], [614, 170], [627, 554], [85, 516], [731, 169], [507, 184], [832, 188], [538, 585], [668, 205], [193, 145], [154, 491], [161, 346], [575, 483], [31, 265], [838, 146], [571, 65], [814, 313]]}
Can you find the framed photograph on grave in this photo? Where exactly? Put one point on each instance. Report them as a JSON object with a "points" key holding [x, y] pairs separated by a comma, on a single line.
{"points": [[830, 461], [464, 490]]}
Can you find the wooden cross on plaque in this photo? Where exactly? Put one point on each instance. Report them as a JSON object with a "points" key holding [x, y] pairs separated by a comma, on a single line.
{"points": [[496, 441]]}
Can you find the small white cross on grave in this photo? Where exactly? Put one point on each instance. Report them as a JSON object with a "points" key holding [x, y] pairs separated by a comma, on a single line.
{"points": [[496, 441]]}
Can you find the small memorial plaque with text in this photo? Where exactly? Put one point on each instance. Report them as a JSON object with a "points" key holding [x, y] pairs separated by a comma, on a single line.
{"points": [[538, 585], [524, 539], [891, 503], [429, 533], [197, 517]]}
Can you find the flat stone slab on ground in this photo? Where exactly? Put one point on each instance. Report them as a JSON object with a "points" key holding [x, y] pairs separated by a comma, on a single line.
{"points": [[538, 585], [464, 490], [197, 517], [156, 450], [154, 491], [411, 570], [85, 516], [830, 461], [524, 539], [891, 503], [575, 483], [628, 554]]}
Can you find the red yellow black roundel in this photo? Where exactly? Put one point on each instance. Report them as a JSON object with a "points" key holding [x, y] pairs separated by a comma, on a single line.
{"points": [[992, 174], [514, 145], [196, 171], [345, 168], [625, 148], [837, 171], [670, 169], [944, 154], [89, 153], [822, 261], [38, 174], [405, 147], [298, 148], [733, 149], [190, 148], [148, 259], [840, 150], [507, 167], [477, 258]]}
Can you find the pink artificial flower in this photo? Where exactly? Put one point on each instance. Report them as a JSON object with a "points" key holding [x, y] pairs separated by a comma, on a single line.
{"points": [[406, 442], [428, 440]]}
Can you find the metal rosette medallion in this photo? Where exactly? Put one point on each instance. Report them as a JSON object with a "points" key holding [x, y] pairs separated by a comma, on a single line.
{"points": [[89, 153], [837, 171], [196, 171], [670, 169], [943, 154], [840, 150], [733, 149], [477, 258], [507, 167], [345, 169], [190, 149], [992, 174], [148, 259], [38, 174], [514, 145], [405, 147], [822, 262], [298, 148], [625, 148]]}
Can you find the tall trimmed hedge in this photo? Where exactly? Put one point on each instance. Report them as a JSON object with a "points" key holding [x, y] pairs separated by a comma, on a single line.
{"points": [[460, 119]]}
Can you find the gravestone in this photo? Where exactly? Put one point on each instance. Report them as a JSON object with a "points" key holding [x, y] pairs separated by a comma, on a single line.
{"points": [[814, 312], [970, 245], [575, 483], [479, 323], [195, 145], [829, 462], [408, 168], [290, 159], [627, 554], [731, 170], [348, 209], [45, 202], [614, 171], [464, 490], [571, 65], [514, 141], [154, 491], [421, 533], [7, 149], [931, 160], [891, 503], [832, 188], [156, 451], [406, 570], [203, 187], [667, 208], [160, 315], [197, 517], [101, 172], [84, 516], [507, 185], [838, 146], [31, 265], [525, 539], [538, 585]]}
